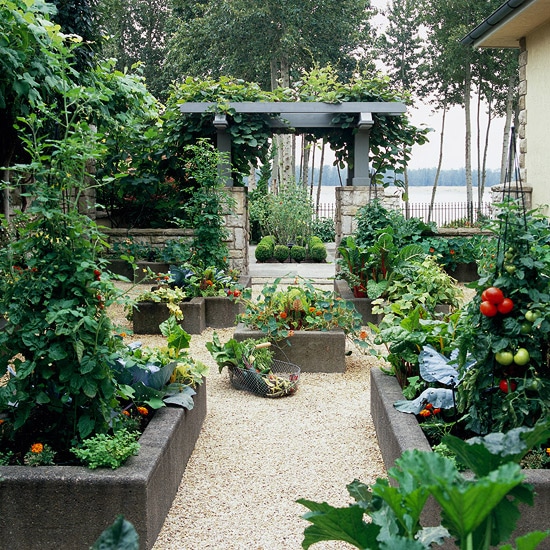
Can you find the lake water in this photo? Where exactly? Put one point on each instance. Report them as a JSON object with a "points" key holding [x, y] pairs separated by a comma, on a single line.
{"points": [[417, 194]]}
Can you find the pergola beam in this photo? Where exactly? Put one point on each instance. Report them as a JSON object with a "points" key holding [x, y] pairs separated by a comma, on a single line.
{"points": [[302, 114]]}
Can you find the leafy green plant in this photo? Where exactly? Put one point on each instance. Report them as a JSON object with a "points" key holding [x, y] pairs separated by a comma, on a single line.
{"points": [[324, 229], [281, 252], [477, 512], [108, 451], [39, 455], [121, 535], [453, 251], [165, 294]]}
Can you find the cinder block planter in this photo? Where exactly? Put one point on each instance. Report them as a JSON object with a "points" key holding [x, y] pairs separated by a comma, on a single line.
{"points": [[221, 312], [398, 432], [311, 350], [53, 507], [147, 316], [464, 273], [362, 305]]}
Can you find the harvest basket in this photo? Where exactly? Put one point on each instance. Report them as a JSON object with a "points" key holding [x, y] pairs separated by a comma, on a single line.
{"points": [[280, 381]]}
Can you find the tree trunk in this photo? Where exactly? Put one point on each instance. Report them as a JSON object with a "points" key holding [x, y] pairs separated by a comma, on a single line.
{"points": [[320, 182], [481, 184], [312, 176], [305, 162], [440, 159], [468, 141]]}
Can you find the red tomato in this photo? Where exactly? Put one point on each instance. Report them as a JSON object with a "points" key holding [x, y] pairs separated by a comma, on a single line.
{"points": [[494, 295], [488, 309], [484, 296], [507, 386], [505, 306]]}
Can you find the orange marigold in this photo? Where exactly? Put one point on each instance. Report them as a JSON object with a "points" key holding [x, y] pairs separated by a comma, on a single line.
{"points": [[283, 315], [37, 448], [451, 252], [363, 335], [311, 309], [290, 333], [142, 410], [436, 411], [126, 413], [424, 413], [1, 421]]}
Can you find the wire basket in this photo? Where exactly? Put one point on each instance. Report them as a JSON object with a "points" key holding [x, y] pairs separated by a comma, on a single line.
{"points": [[281, 381]]}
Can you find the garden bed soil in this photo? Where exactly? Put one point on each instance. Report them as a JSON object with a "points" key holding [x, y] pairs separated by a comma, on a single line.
{"points": [[311, 350], [398, 432], [362, 305], [52, 507]]}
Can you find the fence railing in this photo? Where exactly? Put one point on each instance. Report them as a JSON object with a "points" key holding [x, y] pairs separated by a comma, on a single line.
{"points": [[459, 214], [443, 213]]}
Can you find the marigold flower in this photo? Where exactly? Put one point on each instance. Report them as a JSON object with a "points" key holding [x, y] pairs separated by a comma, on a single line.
{"points": [[37, 448], [283, 315], [126, 413], [424, 413], [429, 406], [436, 411], [363, 335], [318, 312], [290, 333], [548, 451], [311, 309], [432, 249], [451, 252], [1, 421], [142, 410]]}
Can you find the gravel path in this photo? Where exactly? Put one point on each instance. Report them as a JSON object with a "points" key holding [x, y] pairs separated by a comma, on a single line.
{"points": [[256, 456]]}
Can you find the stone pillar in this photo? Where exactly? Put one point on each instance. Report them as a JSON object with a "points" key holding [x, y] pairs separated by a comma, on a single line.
{"points": [[501, 192], [224, 147], [237, 224], [350, 199]]}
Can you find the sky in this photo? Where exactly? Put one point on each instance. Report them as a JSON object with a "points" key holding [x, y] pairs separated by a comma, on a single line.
{"points": [[427, 155]]}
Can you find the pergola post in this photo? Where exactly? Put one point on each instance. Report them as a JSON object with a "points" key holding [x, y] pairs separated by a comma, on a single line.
{"points": [[224, 146], [361, 148]]}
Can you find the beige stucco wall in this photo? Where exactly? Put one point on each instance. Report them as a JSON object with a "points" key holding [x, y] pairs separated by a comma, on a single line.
{"points": [[537, 115]]}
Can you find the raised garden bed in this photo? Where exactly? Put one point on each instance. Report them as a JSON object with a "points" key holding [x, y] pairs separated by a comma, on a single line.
{"points": [[52, 507], [362, 305], [148, 316], [311, 350], [398, 432]]}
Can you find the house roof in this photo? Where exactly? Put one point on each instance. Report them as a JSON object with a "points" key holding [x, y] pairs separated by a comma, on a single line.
{"points": [[514, 20]]}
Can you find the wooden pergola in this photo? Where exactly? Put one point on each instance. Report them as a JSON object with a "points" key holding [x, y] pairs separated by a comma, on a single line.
{"points": [[304, 115]]}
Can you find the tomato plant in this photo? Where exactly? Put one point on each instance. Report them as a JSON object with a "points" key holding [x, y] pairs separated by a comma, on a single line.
{"points": [[507, 386]]}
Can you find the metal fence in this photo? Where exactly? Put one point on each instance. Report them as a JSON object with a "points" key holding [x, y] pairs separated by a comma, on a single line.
{"points": [[443, 214]]}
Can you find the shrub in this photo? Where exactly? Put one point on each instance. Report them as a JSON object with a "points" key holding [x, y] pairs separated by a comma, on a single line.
{"points": [[298, 253], [270, 241], [313, 241], [324, 229], [281, 252], [318, 252], [263, 252]]}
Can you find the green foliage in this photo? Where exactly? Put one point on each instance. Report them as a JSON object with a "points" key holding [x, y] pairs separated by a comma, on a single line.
{"points": [[298, 253], [453, 251], [324, 229], [108, 451], [521, 269], [281, 252], [263, 252], [121, 535], [207, 207], [478, 512], [317, 252]]}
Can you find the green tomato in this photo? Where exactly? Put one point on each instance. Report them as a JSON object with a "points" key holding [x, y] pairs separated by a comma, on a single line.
{"points": [[532, 316], [504, 358], [510, 269], [521, 357], [526, 328]]}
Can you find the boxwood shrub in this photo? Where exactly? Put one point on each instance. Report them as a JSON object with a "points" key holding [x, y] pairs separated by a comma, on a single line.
{"points": [[298, 253], [281, 252]]}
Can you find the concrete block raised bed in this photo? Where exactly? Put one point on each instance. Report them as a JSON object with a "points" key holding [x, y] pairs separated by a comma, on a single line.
{"points": [[398, 432], [464, 273], [311, 350], [147, 316], [53, 507], [362, 305], [122, 267]]}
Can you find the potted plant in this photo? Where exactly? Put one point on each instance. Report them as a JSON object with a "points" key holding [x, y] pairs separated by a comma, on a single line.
{"points": [[308, 326]]}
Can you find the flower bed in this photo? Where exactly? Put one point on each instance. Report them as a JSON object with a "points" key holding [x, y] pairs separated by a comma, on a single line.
{"points": [[49, 507], [398, 432], [122, 267], [311, 350]]}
